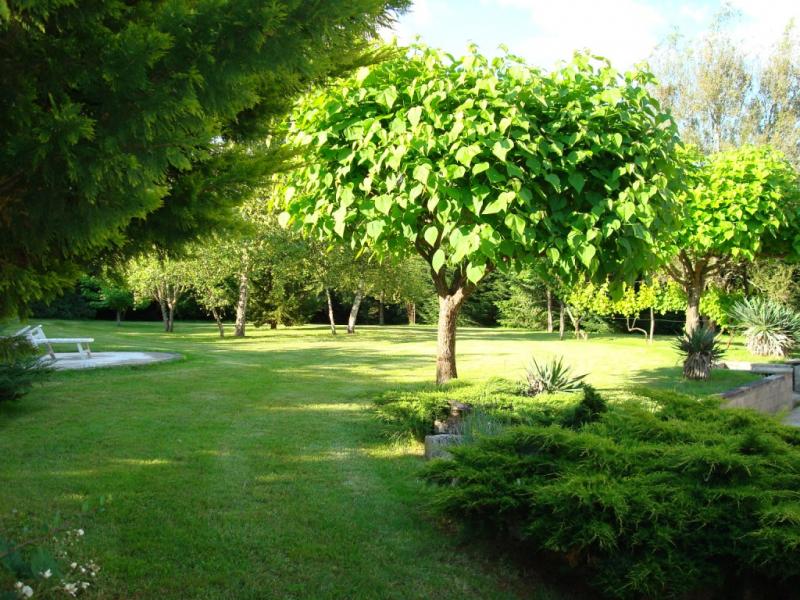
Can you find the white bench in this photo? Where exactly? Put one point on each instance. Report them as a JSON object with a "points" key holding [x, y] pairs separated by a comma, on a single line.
{"points": [[37, 337]]}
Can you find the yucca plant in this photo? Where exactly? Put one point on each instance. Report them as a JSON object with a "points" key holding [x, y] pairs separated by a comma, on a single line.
{"points": [[770, 328], [552, 376], [702, 351]]}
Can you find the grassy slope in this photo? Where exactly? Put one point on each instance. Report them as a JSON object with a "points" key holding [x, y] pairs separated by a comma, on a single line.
{"points": [[253, 468]]}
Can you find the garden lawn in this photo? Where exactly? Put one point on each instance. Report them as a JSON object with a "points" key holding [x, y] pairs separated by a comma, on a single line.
{"points": [[255, 468]]}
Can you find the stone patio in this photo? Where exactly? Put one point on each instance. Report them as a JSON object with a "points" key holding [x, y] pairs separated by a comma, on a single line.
{"points": [[72, 360]]}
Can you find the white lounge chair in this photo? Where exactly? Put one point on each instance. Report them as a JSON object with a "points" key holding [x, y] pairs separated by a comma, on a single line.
{"points": [[38, 338]]}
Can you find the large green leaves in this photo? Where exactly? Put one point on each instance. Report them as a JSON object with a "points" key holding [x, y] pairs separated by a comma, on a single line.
{"points": [[477, 164]]}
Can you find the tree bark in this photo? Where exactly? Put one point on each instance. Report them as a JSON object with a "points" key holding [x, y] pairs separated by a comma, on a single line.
{"points": [[652, 326], [351, 321], [411, 313], [330, 310], [693, 295], [171, 322], [218, 319], [119, 318], [562, 322], [381, 320], [164, 314], [549, 311], [449, 307], [273, 324], [241, 304]]}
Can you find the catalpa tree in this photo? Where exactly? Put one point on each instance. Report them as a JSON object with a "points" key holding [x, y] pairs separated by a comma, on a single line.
{"points": [[479, 165]]}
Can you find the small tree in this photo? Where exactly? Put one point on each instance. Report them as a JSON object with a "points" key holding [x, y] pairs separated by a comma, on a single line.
{"points": [[478, 165], [107, 293], [161, 278], [738, 204], [211, 272]]}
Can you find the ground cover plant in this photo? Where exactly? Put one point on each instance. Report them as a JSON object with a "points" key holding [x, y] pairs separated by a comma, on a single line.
{"points": [[260, 462], [651, 500]]}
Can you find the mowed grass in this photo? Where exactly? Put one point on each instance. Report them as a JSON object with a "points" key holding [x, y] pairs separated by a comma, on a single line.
{"points": [[255, 468]]}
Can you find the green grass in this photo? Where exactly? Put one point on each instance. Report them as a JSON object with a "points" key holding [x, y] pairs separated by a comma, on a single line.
{"points": [[256, 468]]}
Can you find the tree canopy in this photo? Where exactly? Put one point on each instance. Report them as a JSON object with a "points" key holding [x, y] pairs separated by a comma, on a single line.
{"points": [[479, 165], [113, 111]]}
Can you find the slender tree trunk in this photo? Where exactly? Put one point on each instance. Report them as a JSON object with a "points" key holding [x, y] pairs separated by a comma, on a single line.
{"points": [[449, 307], [351, 321], [119, 318], [171, 323], [381, 320], [693, 295], [549, 311], [411, 313], [241, 304], [273, 324], [218, 319], [652, 325], [562, 321], [164, 314], [330, 310]]}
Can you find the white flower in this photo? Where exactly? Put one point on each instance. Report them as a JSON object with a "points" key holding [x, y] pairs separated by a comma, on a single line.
{"points": [[73, 565], [71, 588], [47, 574], [27, 591], [19, 585], [80, 531]]}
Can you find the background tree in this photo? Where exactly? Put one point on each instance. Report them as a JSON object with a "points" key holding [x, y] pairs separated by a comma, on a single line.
{"points": [[108, 292], [120, 121], [479, 166], [739, 204], [162, 278], [211, 271]]}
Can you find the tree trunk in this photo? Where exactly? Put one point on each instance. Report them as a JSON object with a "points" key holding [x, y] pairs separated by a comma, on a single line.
{"points": [[351, 321], [164, 314], [218, 319], [119, 318], [411, 313], [449, 307], [562, 322], [549, 311], [241, 305], [693, 295], [330, 310], [380, 310], [652, 326], [171, 322], [273, 324]]}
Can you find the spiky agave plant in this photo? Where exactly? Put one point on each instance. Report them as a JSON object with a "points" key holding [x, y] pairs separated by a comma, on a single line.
{"points": [[701, 350], [552, 376], [770, 328]]}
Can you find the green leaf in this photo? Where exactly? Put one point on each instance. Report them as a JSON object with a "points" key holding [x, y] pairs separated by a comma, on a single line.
{"points": [[553, 180], [438, 260], [422, 173], [480, 168], [516, 223], [431, 235], [387, 96], [586, 254], [414, 115], [475, 272], [339, 227], [384, 203], [374, 228], [501, 204], [617, 137], [577, 181], [283, 219], [553, 254], [501, 148]]}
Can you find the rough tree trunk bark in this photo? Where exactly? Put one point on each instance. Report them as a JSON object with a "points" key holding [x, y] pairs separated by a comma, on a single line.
{"points": [[449, 307], [411, 313], [171, 322], [381, 320], [693, 295], [119, 318], [164, 314], [549, 311], [652, 326], [241, 305], [330, 310], [273, 324], [218, 319], [351, 321], [562, 322]]}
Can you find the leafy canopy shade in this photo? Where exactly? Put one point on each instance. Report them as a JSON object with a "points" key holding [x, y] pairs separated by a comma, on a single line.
{"points": [[478, 165]]}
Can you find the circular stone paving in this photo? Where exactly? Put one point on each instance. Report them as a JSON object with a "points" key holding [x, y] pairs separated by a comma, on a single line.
{"points": [[73, 360]]}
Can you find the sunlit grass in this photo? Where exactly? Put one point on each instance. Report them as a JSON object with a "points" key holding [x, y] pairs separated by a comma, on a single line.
{"points": [[255, 468]]}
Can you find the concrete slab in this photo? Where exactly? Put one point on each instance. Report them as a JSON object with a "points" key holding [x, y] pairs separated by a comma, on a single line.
{"points": [[72, 360]]}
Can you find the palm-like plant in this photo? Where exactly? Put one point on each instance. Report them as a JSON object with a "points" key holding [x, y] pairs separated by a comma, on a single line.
{"points": [[702, 351], [770, 328], [552, 376]]}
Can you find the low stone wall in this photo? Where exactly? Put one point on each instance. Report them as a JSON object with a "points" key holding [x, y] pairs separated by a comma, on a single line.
{"points": [[770, 395]]}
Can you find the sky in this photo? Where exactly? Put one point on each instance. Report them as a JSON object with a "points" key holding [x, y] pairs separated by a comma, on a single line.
{"points": [[625, 31]]}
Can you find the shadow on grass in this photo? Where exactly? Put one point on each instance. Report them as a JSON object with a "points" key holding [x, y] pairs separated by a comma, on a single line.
{"points": [[671, 378]]}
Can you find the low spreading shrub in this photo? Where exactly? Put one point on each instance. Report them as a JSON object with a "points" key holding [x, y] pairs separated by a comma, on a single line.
{"points": [[770, 328], [662, 498]]}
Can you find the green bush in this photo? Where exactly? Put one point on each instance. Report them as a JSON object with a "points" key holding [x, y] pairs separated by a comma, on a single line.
{"points": [[20, 367], [658, 499], [549, 377], [770, 328], [701, 351]]}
